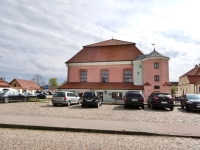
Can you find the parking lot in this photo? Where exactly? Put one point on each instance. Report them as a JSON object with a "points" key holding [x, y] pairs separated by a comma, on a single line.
{"points": [[104, 112]]}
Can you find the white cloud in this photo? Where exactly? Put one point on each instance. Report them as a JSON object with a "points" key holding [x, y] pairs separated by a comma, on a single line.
{"points": [[39, 36]]}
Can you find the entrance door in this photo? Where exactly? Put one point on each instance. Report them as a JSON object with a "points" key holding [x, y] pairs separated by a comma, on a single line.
{"points": [[101, 95]]}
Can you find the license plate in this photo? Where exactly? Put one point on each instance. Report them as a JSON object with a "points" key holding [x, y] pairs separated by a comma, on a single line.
{"points": [[134, 100], [89, 100], [164, 102]]}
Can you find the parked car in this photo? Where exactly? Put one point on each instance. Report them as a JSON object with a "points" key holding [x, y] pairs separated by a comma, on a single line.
{"points": [[160, 100], [40, 95], [190, 101], [134, 98], [91, 98], [9, 96], [65, 98]]}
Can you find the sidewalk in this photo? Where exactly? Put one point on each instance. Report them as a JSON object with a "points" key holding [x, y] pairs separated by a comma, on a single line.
{"points": [[100, 126]]}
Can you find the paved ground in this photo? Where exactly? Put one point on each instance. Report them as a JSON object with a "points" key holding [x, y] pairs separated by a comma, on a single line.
{"points": [[106, 117], [16, 139], [104, 112]]}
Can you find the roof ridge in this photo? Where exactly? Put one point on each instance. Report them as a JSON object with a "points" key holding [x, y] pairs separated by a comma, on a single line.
{"points": [[110, 42]]}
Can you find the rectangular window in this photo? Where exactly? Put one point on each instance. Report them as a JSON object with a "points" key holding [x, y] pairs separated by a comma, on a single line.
{"points": [[83, 76], [104, 76], [156, 65], [156, 78], [128, 76]]}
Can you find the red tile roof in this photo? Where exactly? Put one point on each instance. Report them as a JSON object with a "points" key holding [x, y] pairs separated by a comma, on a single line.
{"points": [[194, 71], [110, 42], [111, 50], [27, 84], [100, 86], [193, 79], [4, 84]]}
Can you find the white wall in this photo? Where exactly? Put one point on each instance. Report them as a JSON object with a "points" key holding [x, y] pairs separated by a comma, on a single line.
{"points": [[138, 73]]}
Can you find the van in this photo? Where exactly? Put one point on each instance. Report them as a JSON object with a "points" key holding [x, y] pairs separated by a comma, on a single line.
{"points": [[65, 98]]}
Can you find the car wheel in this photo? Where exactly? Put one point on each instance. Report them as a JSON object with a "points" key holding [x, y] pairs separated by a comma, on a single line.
{"points": [[148, 105], [6, 100], [54, 104], [142, 107], [25, 99], [68, 103], [97, 105], [82, 105], [152, 107], [171, 108], [182, 106], [187, 108]]}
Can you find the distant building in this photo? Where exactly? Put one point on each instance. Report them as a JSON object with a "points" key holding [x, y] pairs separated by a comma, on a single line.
{"points": [[4, 84], [23, 86], [190, 82], [113, 67]]}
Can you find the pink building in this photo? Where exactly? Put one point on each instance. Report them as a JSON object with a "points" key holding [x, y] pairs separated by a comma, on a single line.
{"points": [[113, 67]]}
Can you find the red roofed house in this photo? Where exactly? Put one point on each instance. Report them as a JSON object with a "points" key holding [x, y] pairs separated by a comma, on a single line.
{"points": [[113, 67], [24, 85], [190, 82], [3, 84]]}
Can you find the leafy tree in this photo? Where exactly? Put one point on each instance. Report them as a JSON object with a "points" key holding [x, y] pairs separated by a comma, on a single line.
{"points": [[53, 82], [173, 89], [38, 79]]}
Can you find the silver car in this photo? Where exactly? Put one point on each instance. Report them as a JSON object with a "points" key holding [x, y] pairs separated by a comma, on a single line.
{"points": [[65, 98]]}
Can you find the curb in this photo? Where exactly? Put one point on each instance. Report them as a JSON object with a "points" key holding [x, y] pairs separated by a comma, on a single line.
{"points": [[123, 132]]}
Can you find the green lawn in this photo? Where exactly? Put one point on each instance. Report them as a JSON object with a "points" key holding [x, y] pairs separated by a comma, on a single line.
{"points": [[39, 100]]}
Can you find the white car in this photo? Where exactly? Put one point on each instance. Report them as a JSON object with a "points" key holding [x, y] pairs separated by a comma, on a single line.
{"points": [[65, 98]]}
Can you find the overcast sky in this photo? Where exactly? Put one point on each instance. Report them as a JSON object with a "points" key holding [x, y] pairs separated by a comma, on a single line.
{"points": [[38, 37]]}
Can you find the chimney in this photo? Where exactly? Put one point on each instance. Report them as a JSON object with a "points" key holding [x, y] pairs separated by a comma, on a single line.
{"points": [[196, 66]]}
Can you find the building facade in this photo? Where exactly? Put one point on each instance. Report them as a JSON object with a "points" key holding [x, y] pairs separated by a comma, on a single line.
{"points": [[189, 83], [113, 67]]}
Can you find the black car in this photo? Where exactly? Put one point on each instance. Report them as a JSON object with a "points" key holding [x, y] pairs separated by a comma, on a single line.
{"points": [[40, 95], [91, 98], [9, 96], [190, 101], [163, 100], [134, 98]]}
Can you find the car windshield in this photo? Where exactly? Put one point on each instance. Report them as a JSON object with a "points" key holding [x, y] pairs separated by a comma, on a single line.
{"points": [[59, 94], [89, 94], [193, 97]]}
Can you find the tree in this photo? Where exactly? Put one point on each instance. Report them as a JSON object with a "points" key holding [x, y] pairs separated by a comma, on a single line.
{"points": [[38, 79], [53, 82], [173, 90]]}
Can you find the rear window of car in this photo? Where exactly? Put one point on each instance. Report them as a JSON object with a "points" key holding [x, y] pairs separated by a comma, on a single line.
{"points": [[193, 97], [164, 95], [132, 94], [59, 94], [89, 94]]}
